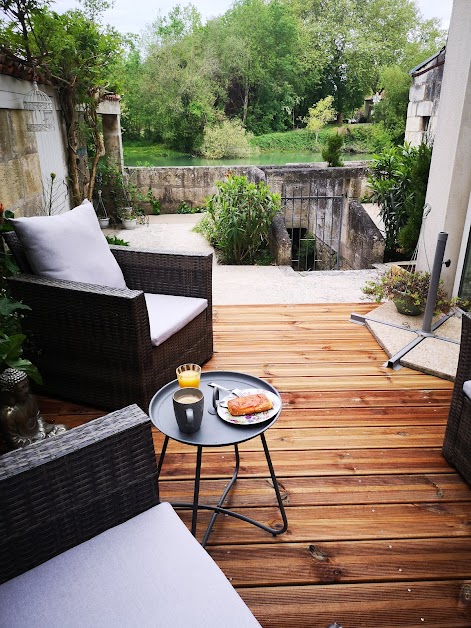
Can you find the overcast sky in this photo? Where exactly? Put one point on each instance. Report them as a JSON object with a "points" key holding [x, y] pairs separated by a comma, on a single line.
{"points": [[133, 15]]}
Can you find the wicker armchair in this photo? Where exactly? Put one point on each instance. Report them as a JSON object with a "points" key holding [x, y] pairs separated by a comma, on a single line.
{"points": [[457, 443], [84, 540], [65, 490], [92, 343]]}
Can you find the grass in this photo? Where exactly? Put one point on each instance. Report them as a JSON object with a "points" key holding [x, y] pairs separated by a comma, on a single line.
{"points": [[142, 150]]}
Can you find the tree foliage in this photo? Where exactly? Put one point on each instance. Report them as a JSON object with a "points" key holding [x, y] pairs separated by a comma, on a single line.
{"points": [[265, 61], [318, 115]]}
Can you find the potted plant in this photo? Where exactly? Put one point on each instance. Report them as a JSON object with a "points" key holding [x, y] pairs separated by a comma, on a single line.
{"points": [[102, 214], [128, 217], [408, 291]]}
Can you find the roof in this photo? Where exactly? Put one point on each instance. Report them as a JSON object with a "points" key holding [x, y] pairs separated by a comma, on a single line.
{"points": [[427, 61]]}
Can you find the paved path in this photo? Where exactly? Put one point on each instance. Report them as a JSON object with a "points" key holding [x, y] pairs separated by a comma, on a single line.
{"points": [[250, 284]]}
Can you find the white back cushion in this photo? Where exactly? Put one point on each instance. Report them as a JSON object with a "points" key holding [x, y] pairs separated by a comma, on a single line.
{"points": [[69, 246]]}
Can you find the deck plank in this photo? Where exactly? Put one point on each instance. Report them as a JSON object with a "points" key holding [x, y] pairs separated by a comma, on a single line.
{"points": [[379, 524]]}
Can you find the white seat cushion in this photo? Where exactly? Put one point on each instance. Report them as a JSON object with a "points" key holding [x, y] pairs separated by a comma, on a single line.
{"points": [[168, 314], [147, 572], [467, 389], [69, 246]]}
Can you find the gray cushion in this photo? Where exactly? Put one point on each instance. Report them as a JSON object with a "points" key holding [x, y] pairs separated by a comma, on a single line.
{"points": [[467, 389], [168, 314], [146, 572], [69, 246]]}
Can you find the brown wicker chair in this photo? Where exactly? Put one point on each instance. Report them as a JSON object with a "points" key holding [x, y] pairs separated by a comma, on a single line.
{"points": [[457, 443], [92, 343]]}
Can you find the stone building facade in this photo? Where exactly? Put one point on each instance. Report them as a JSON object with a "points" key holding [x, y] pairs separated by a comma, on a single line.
{"points": [[424, 97]]}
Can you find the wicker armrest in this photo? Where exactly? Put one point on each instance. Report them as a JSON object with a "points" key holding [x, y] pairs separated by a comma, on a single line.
{"points": [[63, 491], [164, 272], [80, 309]]}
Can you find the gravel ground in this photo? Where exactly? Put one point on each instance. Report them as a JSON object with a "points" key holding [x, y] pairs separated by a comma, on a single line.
{"points": [[249, 284]]}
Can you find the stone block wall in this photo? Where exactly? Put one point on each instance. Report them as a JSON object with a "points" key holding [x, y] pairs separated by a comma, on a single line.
{"points": [[364, 244], [424, 98], [20, 172], [174, 185], [193, 184]]}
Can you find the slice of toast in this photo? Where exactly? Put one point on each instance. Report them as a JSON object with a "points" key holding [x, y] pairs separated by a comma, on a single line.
{"points": [[249, 404]]}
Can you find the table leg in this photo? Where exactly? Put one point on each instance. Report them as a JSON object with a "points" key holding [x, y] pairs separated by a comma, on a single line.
{"points": [[222, 498], [194, 519], [275, 486], [161, 461], [218, 508]]}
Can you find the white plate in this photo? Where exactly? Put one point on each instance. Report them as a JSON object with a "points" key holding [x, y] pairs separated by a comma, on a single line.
{"points": [[250, 419]]}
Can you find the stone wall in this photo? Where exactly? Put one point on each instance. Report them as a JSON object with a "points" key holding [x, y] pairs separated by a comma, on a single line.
{"points": [[193, 184], [364, 244], [20, 172], [424, 98], [174, 185]]}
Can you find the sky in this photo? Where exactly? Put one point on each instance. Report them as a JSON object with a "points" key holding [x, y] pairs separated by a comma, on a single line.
{"points": [[133, 16]]}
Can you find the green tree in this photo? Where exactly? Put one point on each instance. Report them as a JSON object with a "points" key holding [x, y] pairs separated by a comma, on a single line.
{"points": [[319, 115], [253, 50], [349, 41], [175, 82], [392, 110], [73, 53]]}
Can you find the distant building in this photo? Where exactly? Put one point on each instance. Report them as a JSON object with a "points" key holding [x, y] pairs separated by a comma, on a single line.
{"points": [[424, 97]]}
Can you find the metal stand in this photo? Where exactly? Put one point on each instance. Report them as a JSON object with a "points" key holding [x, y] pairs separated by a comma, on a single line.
{"points": [[195, 506], [428, 329]]}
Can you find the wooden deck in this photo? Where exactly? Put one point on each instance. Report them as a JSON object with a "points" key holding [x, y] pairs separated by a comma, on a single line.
{"points": [[379, 525]]}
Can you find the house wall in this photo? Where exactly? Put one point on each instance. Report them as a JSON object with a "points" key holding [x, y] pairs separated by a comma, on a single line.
{"points": [[28, 158], [449, 185], [424, 97]]}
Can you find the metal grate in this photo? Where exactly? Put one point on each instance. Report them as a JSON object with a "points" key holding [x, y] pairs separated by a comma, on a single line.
{"points": [[313, 218]]}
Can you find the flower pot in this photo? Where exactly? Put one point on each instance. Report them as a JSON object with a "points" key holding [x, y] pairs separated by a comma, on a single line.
{"points": [[129, 223], [104, 222], [405, 304]]}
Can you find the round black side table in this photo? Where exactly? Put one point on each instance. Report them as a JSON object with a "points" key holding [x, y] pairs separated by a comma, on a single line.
{"points": [[215, 432]]}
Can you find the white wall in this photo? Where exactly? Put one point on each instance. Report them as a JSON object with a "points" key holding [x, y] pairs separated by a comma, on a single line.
{"points": [[449, 183]]}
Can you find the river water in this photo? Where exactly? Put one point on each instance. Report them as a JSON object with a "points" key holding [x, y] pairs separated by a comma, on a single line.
{"points": [[263, 159]]}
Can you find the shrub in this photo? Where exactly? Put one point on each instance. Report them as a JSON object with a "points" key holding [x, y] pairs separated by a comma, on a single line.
{"points": [[238, 219], [186, 208], [226, 139], [367, 138], [332, 150], [398, 181], [11, 338]]}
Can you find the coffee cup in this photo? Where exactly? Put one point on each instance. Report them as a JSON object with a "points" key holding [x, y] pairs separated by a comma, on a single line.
{"points": [[188, 404]]}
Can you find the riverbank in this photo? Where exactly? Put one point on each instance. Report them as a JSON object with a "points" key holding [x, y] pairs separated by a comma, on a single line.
{"points": [[361, 141]]}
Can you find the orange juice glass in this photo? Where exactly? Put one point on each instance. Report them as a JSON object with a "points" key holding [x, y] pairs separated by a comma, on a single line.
{"points": [[189, 375]]}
